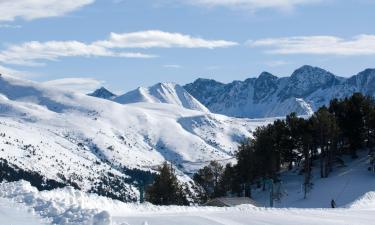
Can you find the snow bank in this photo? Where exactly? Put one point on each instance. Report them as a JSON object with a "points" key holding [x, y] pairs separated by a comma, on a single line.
{"points": [[67, 206], [62, 210], [367, 201]]}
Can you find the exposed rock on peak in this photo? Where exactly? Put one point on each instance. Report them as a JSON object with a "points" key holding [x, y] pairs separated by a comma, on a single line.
{"points": [[102, 93]]}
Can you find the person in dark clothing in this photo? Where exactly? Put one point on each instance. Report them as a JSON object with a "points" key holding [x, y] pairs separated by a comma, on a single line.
{"points": [[333, 204]]}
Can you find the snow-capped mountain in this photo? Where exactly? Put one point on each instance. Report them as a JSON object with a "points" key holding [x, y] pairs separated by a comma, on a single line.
{"points": [[169, 93], [54, 137], [303, 92], [103, 93]]}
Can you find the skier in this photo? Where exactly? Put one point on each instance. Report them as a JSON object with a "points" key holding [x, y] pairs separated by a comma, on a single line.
{"points": [[333, 204]]}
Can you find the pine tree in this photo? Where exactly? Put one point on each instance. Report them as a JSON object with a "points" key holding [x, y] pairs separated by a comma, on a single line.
{"points": [[166, 189], [208, 177], [227, 181], [325, 132]]}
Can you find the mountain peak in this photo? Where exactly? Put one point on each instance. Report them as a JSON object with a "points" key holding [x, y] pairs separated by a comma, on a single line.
{"points": [[307, 70], [167, 92], [206, 81], [102, 93], [267, 75]]}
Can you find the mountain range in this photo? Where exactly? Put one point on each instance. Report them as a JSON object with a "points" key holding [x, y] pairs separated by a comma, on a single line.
{"points": [[267, 95], [303, 92]]}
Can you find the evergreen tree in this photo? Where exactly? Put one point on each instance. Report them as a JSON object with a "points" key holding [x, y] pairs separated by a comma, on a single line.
{"points": [[325, 132], [228, 183], [282, 143], [371, 126], [248, 168], [267, 157], [350, 115], [208, 177], [166, 189]]}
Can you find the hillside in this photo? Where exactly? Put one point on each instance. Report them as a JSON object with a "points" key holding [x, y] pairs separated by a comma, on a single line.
{"points": [[345, 185], [303, 92], [102, 146]]}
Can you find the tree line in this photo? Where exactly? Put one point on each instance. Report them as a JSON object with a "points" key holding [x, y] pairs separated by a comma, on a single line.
{"points": [[343, 127]]}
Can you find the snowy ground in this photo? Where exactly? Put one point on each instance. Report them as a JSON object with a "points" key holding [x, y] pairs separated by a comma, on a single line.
{"points": [[344, 185], [15, 214], [352, 186], [255, 217], [72, 207]]}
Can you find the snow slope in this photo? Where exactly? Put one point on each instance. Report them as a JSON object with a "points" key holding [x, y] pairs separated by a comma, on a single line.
{"points": [[96, 145], [303, 92], [345, 185], [69, 206], [169, 93]]}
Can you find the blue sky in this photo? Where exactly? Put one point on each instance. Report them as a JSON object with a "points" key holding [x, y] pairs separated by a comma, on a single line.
{"points": [[123, 44]]}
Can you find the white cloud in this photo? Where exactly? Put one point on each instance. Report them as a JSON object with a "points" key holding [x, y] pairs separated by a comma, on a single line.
{"points": [[160, 39], [318, 45], [82, 85], [31, 53], [252, 4], [34, 53], [33, 9]]}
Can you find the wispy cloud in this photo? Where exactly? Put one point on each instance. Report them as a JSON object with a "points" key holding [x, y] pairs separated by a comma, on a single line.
{"points": [[16, 73], [252, 4], [33, 9], [34, 53], [318, 45], [78, 84], [160, 39]]}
